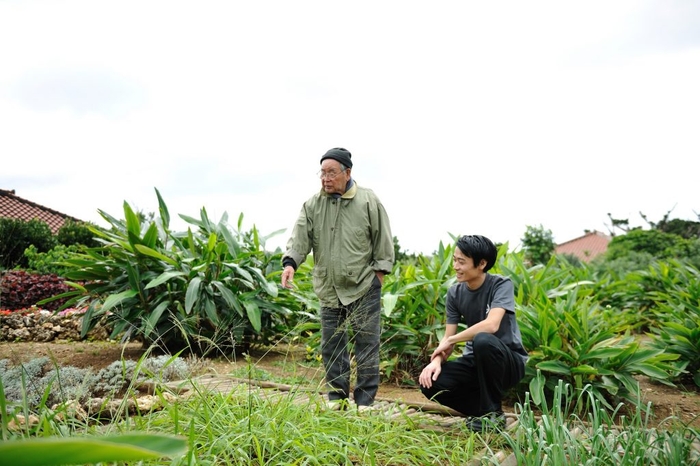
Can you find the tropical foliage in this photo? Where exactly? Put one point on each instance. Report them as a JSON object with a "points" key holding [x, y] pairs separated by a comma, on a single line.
{"points": [[217, 287], [204, 289]]}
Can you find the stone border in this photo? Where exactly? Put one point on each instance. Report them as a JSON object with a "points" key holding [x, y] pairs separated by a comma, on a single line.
{"points": [[44, 326]]}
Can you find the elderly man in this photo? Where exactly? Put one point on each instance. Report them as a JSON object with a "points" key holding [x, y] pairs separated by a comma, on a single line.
{"points": [[347, 229]]}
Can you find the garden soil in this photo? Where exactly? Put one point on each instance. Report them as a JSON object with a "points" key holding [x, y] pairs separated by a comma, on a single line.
{"points": [[288, 364]]}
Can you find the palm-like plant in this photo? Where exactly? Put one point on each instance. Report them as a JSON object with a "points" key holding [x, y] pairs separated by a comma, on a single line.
{"points": [[203, 288], [676, 328], [570, 340]]}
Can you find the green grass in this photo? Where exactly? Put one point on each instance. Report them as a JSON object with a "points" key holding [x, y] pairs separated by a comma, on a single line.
{"points": [[247, 425]]}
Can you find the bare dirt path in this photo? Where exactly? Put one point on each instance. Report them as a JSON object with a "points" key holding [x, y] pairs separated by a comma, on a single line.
{"points": [[287, 364]]}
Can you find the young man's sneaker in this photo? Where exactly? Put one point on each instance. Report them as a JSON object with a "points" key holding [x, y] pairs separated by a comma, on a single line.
{"points": [[490, 422]]}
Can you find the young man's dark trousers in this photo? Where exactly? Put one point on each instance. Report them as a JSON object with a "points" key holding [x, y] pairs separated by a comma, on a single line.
{"points": [[363, 318], [475, 384]]}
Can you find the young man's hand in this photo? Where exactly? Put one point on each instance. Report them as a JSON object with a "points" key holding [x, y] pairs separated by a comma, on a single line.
{"points": [[430, 373]]}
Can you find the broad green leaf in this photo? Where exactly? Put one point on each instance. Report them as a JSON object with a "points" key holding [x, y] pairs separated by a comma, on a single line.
{"points": [[90, 450], [537, 384], [269, 286], [602, 353], [554, 366], [118, 298], [227, 294], [584, 369], [93, 314], [652, 371], [164, 277], [155, 254], [210, 309], [163, 209], [192, 294], [134, 275], [254, 314], [151, 236], [629, 382], [212, 242], [389, 301], [133, 223], [153, 318], [205, 219], [557, 352], [240, 271]]}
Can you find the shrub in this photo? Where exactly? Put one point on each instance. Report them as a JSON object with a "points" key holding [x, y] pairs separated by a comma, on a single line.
{"points": [[50, 262], [75, 233], [21, 382], [571, 340], [657, 243], [18, 235], [203, 289], [67, 384], [20, 290]]}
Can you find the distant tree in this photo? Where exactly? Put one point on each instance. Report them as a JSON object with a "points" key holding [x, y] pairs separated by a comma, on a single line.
{"points": [[683, 228], [538, 244], [656, 243], [622, 224], [74, 233], [665, 239], [17, 235], [687, 229]]}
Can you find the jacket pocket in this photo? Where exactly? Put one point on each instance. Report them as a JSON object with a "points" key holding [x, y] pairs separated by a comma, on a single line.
{"points": [[320, 280]]}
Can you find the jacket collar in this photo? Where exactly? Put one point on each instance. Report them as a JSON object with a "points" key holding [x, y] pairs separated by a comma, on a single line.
{"points": [[349, 193]]}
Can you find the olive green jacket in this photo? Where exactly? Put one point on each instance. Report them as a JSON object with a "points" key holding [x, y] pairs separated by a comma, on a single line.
{"points": [[350, 238]]}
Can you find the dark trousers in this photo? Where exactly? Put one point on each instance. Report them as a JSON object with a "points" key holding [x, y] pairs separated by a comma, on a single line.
{"points": [[474, 385], [363, 318]]}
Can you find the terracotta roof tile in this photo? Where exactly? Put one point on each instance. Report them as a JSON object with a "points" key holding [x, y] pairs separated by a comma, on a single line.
{"points": [[585, 247], [13, 206]]}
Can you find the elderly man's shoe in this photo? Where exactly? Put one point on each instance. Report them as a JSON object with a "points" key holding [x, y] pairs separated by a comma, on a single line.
{"points": [[337, 405]]}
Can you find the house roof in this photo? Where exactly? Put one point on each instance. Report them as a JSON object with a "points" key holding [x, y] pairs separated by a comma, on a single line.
{"points": [[13, 206], [586, 247]]}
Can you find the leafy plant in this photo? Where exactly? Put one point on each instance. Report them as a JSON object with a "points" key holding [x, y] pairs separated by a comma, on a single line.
{"points": [[676, 306], [17, 235], [20, 289], [202, 289], [49, 262], [76, 233], [569, 340]]}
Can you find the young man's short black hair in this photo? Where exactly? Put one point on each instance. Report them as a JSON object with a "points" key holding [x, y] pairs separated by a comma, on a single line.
{"points": [[478, 247]]}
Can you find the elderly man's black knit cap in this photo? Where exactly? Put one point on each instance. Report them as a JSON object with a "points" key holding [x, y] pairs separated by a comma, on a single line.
{"points": [[339, 154]]}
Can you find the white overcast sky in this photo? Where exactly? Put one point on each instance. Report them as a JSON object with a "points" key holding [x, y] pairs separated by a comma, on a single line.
{"points": [[464, 117]]}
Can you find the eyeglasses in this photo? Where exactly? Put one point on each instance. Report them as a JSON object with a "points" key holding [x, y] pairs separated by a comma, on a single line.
{"points": [[328, 175]]}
